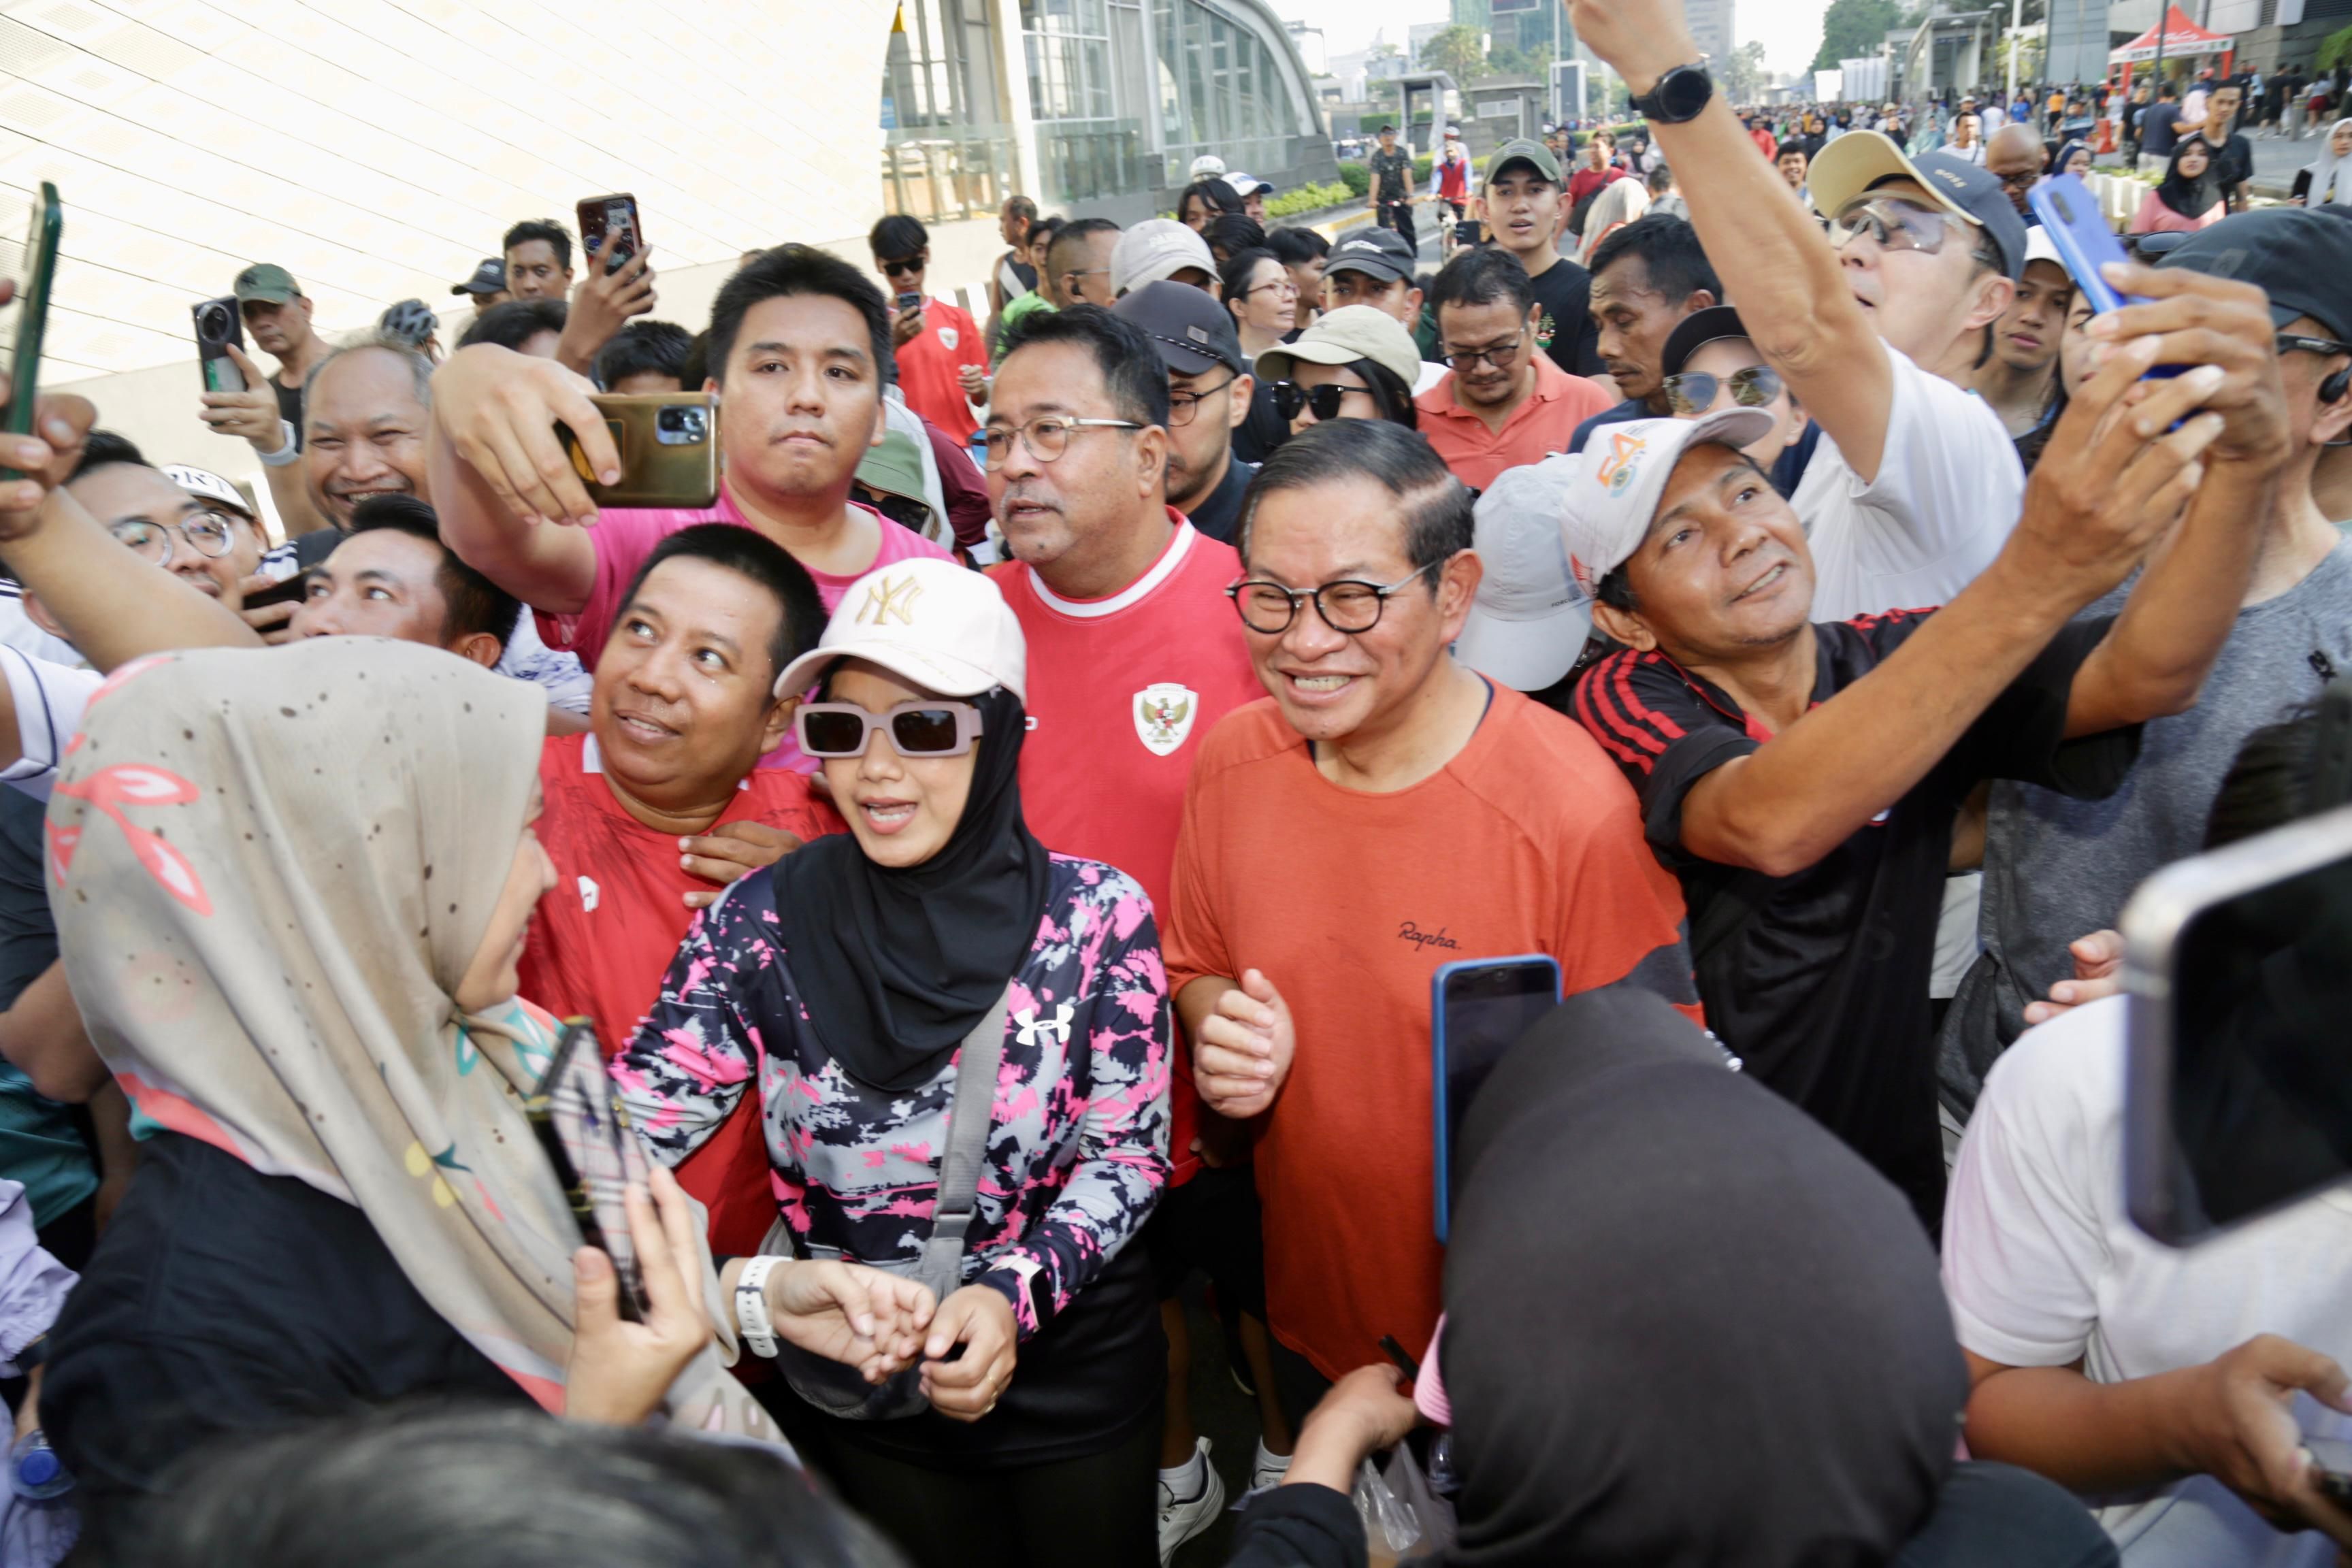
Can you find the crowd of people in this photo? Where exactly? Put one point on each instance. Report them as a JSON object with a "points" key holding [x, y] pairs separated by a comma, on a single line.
{"points": [[1005, 841]]}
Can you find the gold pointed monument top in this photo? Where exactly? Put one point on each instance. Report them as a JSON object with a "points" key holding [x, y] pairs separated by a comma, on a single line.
{"points": [[898, 19]]}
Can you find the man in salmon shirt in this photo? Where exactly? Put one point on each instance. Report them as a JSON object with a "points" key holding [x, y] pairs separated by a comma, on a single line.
{"points": [[664, 796], [1133, 657], [800, 351], [1386, 811]]}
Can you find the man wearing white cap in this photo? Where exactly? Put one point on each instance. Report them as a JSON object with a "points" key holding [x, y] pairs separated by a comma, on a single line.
{"points": [[1530, 621], [1876, 328], [1804, 778], [1159, 248], [2016, 381]]}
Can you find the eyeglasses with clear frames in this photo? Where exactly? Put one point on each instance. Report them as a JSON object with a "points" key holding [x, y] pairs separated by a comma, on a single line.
{"points": [[1891, 225], [1349, 606], [1048, 437], [208, 533]]}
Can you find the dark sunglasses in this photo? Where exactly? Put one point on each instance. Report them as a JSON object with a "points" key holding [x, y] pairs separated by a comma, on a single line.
{"points": [[916, 729], [1694, 392], [1289, 397], [901, 268]]}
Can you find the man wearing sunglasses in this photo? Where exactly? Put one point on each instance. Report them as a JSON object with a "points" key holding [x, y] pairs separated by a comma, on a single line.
{"points": [[942, 357], [1805, 777], [1387, 812], [1876, 327], [1506, 402]]}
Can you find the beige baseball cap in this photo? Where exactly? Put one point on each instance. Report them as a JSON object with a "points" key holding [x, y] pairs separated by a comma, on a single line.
{"points": [[1344, 336], [928, 621]]}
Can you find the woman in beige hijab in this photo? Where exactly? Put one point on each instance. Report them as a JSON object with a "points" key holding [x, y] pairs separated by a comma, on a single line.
{"points": [[290, 888]]}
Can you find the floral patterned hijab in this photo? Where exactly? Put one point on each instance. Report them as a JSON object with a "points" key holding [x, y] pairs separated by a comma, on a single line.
{"points": [[270, 871]]}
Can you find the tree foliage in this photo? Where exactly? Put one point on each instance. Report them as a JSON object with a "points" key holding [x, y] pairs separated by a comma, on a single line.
{"points": [[1743, 75], [1458, 51], [1854, 29], [2336, 49]]}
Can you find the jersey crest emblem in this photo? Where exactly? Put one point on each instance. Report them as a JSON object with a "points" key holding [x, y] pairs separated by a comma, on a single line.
{"points": [[947, 336], [1164, 716]]}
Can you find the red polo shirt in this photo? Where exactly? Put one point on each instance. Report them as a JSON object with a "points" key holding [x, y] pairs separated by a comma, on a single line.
{"points": [[1537, 428]]}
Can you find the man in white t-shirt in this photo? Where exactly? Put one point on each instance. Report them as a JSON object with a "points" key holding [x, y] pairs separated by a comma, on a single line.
{"points": [[2154, 1381], [1915, 484]]}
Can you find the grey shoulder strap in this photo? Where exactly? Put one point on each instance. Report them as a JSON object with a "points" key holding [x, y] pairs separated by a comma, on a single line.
{"points": [[941, 1267]]}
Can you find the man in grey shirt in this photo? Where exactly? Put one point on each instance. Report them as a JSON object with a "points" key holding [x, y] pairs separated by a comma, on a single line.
{"points": [[2055, 868]]}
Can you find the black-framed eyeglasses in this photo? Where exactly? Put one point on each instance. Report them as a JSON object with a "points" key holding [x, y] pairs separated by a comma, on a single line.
{"points": [[916, 729], [1349, 606], [1047, 436], [1694, 391], [208, 533], [2296, 343], [905, 266], [1289, 397], [1182, 406], [2019, 179], [1499, 355]]}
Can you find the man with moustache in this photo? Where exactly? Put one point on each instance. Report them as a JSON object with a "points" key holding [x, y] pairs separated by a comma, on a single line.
{"points": [[1647, 278]]}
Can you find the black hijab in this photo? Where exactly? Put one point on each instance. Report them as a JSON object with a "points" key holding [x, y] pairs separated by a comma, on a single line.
{"points": [[1684, 1324], [2191, 198], [894, 966]]}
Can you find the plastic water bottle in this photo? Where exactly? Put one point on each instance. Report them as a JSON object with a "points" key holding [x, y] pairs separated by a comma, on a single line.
{"points": [[33, 1468]]}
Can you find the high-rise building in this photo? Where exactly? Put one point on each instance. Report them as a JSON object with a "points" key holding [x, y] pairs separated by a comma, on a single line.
{"points": [[1710, 22]]}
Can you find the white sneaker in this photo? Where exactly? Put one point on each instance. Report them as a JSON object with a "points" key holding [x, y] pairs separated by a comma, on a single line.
{"points": [[1180, 1521], [1270, 1470]]}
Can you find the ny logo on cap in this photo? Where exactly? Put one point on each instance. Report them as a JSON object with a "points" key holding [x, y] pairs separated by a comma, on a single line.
{"points": [[888, 598]]}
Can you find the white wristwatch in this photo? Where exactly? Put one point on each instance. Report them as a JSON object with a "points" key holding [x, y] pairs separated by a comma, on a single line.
{"points": [[752, 1306], [287, 452]]}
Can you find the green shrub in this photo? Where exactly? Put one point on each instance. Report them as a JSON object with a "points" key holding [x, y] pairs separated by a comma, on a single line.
{"points": [[1358, 178], [1310, 198]]}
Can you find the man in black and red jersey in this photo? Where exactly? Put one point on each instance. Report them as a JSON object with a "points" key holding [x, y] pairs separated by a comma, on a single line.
{"points": [[1802, 778]]}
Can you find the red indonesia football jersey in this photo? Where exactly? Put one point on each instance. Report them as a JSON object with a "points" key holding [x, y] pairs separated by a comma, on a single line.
{"points": [[602, 938], [1121, 691]]}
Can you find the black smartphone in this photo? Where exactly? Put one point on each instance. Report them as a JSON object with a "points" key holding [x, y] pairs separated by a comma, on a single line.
{"points": [[910, 300], [613, 217], [2331, 1468], [218, 327], [586, 1133], [2238, 964], [1479, 1010], [35, 268], [1402, 1356], [288, 590]]}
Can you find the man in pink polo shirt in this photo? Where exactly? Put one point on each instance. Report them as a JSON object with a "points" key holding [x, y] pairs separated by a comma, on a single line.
{"points": [[1506, 402], [800, 345]]}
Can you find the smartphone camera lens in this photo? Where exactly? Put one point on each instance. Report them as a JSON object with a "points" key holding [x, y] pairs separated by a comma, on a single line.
{"points": [[682, 427], [215, 323]]}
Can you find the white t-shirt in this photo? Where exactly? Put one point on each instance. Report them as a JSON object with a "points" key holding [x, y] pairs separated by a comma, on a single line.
{"points": [[1432, 373], [1971, 153], [2042, 1265], [1990, 119], [1947, 493], [50, 699], [18, 630]]}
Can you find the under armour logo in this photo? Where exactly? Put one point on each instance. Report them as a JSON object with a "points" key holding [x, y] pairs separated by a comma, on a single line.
{"points": [[891, 596], [1058, 1027], [589, 893]]}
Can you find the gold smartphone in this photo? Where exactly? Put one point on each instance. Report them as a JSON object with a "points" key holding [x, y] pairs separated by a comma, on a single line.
{"points": [[668, 443]]}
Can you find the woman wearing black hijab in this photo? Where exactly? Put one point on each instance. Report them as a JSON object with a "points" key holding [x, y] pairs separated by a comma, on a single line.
{"points": [[850, 982], [2190, 197], [1684, 1325]]}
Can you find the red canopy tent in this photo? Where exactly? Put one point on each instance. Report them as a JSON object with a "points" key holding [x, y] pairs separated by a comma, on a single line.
{"points": [[2182, 38]]}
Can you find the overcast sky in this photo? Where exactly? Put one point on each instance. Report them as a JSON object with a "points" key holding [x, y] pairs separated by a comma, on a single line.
{"points": [[1791, 30]]}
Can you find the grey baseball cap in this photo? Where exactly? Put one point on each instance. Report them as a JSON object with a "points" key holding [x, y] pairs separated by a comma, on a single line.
{"points": [[1523, 150], [1191, 331], [1380, 253], [1344, 336]]}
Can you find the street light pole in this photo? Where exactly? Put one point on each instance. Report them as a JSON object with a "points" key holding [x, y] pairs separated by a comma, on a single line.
{"points": [[2016, 21]]}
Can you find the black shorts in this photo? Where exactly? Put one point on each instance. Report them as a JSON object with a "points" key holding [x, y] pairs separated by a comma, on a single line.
{"points": [[1212, 1223]]}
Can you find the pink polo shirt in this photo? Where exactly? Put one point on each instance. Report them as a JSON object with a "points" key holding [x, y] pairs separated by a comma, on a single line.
{"points": [[625, 536], [1535, 430]]}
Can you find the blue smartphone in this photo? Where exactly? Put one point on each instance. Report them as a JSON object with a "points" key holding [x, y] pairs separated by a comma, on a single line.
{"points": [[1477, 1011], [2071, 217]]}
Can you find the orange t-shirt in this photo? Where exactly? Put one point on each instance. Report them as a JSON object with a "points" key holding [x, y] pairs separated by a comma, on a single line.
{"points": [[1528, 841], [1536, 429]]}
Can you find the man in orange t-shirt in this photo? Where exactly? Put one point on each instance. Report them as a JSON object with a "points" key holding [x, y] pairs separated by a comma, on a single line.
{"points": [[1506, 402], [1387, 811], [942, 357]]}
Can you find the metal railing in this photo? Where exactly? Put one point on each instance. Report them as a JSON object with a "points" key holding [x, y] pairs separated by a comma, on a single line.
{"points": [[940, 174]]}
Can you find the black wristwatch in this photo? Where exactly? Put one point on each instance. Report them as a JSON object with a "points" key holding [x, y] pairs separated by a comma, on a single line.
{"points": [[1678, 96]]}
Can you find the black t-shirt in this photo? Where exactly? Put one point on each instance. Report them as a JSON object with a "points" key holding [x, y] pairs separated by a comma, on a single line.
{"points": [[1218, 514], [290, 407], [29, 937], [1820, 980], [2234, 165], [1392, 172], [224, 1300], [1263, 429], [1565, 329]]}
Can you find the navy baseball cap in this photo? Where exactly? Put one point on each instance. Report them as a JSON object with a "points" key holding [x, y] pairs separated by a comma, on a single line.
{"points": [[2300, 256], [1191, 331], [1860, 161], [1381, 253], [489, 277]]}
